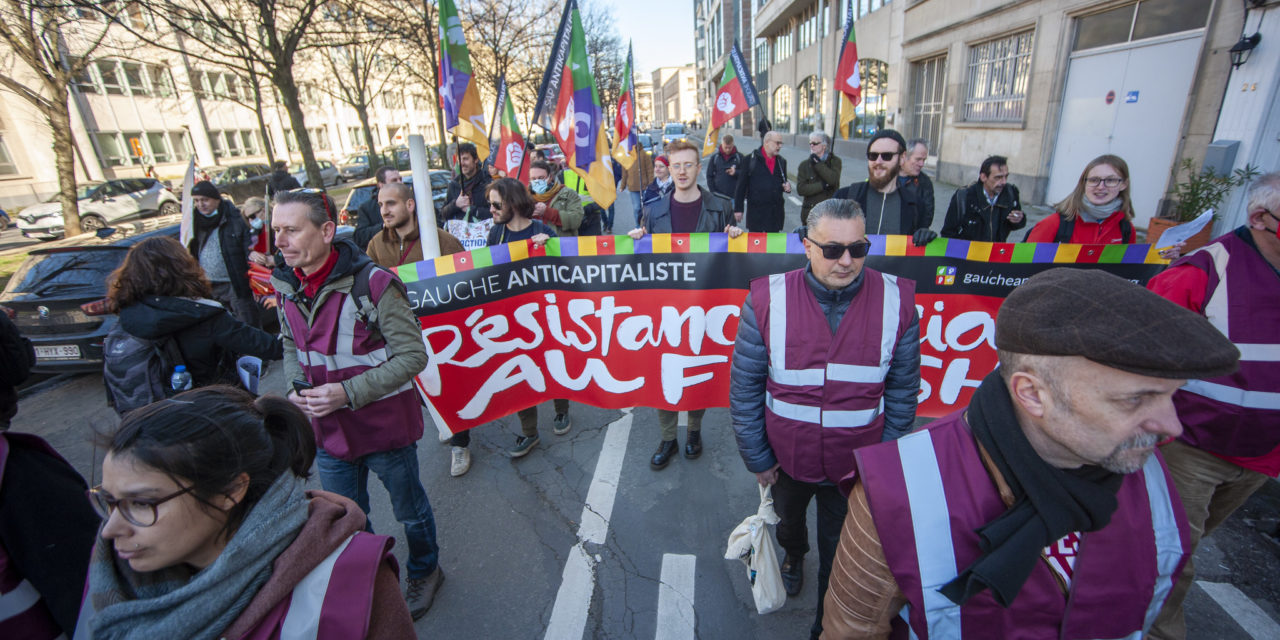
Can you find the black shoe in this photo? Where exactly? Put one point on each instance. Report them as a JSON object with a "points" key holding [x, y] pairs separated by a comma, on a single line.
{"points": [[666, 451], [421, 592], [693, 445], [793, 574]]}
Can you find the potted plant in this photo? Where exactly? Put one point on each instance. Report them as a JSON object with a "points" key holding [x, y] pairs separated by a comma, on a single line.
{"points": [[1202, 190]]}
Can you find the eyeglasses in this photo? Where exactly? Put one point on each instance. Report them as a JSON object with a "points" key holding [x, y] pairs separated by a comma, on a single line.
{"points": [[496, 206], [684, 166], [136, 511], [884, 156], [836, 251], [1112, 181], [815, 144]]}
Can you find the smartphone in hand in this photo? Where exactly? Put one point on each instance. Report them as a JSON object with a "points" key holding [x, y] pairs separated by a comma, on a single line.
{"points": [[299, 385]]}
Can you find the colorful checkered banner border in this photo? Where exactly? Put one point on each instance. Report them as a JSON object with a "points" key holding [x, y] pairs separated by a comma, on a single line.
{"points": [[615, 322]]}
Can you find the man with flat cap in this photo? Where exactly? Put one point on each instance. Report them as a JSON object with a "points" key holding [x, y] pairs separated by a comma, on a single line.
{"points": [[1040, 510], [1230, 442]]}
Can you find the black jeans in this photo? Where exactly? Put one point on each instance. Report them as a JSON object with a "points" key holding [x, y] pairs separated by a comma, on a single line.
{"points": [[791, 500]]}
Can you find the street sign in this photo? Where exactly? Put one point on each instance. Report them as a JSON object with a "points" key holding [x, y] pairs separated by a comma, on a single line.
{"points": [[1111, 97]]}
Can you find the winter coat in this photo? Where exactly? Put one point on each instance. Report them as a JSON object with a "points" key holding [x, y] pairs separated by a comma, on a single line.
{"points": [[235, 238], [476, 185], [368, 221], [913, 216], [759, 192], [208, 337], [279, 181], [750, 370], [718, 181], [388, 250], [817, 180], [717, 212], [971, 217], [924, 193], [568, 208], [641, 172]]}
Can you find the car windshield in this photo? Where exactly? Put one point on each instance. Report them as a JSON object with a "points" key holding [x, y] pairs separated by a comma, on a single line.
{"points": [[645, 139], [356, 159], [63, 273], [82, 192], [674, 128]]}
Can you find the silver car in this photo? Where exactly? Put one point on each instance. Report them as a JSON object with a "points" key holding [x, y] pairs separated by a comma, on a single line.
{"points": [[329, 174], [101, 204]]}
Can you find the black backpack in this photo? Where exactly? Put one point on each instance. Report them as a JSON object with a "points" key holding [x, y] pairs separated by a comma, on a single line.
{"points": [[137, 370]]}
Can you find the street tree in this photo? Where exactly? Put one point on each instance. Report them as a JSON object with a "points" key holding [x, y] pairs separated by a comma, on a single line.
{"points": [[48, 47], [410, 28]]}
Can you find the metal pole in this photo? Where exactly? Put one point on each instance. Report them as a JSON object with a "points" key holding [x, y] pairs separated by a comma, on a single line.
{"points": [[426, 206]]}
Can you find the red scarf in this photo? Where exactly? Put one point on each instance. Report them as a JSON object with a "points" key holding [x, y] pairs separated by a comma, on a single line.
{"points": [[728, 154], [311, 283], [769, 161]]}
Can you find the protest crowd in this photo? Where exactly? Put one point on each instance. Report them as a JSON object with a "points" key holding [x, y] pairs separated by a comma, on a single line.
{"points": [[1066, 498]]}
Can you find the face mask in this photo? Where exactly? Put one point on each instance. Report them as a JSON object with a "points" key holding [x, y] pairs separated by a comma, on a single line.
{"points": [[256, 224], [538, 186]]}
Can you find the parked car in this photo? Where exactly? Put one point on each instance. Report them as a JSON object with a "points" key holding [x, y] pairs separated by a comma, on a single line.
{"points": [[239, 182], [101, 204], [396, 156], [365, 189], [674, 131], [646, 141], [47, 293], [329, 174], [355, 167]]}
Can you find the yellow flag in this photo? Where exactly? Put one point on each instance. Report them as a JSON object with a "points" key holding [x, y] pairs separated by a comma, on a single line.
{"points": [[847, 115], [709, 145]]}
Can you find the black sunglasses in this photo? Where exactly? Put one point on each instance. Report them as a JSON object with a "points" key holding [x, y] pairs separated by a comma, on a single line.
{"points": [[885, 156], [496, 206], [836, 251]]}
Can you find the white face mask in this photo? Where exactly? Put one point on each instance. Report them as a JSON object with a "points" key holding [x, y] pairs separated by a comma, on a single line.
{"points": [[256, 224], [538, 186]]}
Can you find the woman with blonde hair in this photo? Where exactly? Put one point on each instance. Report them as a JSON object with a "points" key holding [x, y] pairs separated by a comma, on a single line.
{"points": [[1099, 211]]}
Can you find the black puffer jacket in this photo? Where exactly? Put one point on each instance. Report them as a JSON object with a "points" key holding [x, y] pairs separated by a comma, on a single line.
{"points": [[233, 234], [208, 337]]}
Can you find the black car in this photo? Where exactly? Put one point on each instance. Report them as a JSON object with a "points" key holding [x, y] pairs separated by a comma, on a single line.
{"points": [[364, 190], [47, 292], [239, 182]]}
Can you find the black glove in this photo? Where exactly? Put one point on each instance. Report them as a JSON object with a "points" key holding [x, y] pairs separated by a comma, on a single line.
{"points": [[923, 236], [813, 157]]}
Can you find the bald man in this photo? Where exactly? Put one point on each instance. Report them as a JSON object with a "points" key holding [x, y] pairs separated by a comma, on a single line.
{"points": [[761, 185]]}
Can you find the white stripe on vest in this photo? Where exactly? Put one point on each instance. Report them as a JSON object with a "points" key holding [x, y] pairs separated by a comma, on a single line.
{"points": [[302, 622], [859, 374], [931, 525], [1233, 395], [23, 597]]}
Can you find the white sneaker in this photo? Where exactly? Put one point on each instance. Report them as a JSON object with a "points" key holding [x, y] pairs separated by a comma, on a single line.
{"points": [[461, 461]]}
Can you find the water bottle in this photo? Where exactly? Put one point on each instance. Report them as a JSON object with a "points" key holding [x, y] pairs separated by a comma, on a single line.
{"points": [[181, 380]]}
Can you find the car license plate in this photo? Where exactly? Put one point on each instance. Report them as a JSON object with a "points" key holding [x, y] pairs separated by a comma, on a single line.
{"points": [[58, 352]]}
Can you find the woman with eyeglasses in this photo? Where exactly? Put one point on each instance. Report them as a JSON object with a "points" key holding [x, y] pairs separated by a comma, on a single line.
{"points": [[162, 293], [254, 211], [208, 531], [1097, 212]]}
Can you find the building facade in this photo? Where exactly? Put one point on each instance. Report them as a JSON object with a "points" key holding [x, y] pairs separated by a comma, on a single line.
{"points": [[1050, 84], [139, 109], [717, 25], [675, 94]]}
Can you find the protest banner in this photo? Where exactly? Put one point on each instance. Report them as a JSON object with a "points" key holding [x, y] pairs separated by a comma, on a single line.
{"points": [[615, 322]]}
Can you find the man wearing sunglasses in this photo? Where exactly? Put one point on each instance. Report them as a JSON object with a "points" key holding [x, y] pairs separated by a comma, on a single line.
{"points": [[890, 208], [818, 177], [827, 360]]}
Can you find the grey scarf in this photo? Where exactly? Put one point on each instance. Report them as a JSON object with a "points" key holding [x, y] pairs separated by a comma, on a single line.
{"points": [[1095, 213], [174, 603]]}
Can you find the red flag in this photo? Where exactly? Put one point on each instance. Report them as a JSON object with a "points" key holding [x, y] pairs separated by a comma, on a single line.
{"points": [[511, 157]]}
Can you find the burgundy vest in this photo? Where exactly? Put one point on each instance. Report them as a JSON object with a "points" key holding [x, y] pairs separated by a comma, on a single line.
{"points": [[334, 600], [929, 492], [1237, 415], [335, 346], [825, 393], [22, 611]]}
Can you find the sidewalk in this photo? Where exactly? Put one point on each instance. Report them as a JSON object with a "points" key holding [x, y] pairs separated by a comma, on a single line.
{"points": [[853, 169]]}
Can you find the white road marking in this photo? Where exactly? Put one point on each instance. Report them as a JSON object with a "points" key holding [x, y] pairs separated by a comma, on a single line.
{"points": [[794, 200], [683, 419], [676, 619], [578, 580], [1248, 615]]}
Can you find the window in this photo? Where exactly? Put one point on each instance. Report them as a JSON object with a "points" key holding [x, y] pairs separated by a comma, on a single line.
{"points": [[84, 80], [807, 103], [180, 143], [1146, 19], [393, 100], [112, 149], [354, 137], [233, 143], [110, 73], [161, 81], [762, 55], [7, 165], [133, 75], [219, 82], [782, 47], [219, 145], [160, 151], [871, 110], [928, 82], [205, 90], [249, 142], [998, 75], [782, 108], [809, 24]]}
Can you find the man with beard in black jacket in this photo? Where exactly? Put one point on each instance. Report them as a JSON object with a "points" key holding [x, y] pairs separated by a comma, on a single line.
{"points": [[890, 208], [465, 199], [220, 243], [761, 184]]}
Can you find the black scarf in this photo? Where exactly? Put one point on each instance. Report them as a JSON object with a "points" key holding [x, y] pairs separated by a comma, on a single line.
{"points": [[205, 226], [1048, 503]]}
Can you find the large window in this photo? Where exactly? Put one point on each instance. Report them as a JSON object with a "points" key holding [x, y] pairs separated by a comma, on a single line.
{"points": [[871, 111], [810, 105], [1147, 19], [109, 70], [928, 96], [161, 81], [113, 150], [160, 151], [782, 47], [782, 108], [998, 75]]}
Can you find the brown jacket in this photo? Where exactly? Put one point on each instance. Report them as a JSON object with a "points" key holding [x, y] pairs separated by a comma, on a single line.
{"points": [[641, 172], [863, 597], [387, 248]]}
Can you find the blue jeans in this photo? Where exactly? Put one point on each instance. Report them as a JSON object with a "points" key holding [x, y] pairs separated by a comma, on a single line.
{"points": [[637, 200], [398, 471]]}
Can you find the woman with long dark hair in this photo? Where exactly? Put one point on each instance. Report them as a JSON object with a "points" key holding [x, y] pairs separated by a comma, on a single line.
{"points": [[161, 291], [208, 531]]}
